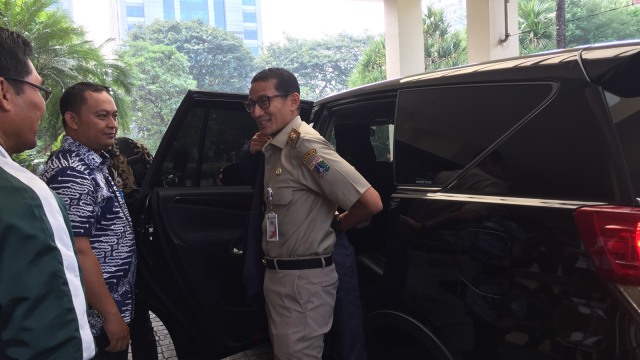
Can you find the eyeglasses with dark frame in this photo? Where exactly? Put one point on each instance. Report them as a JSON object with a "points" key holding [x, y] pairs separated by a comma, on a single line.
{"points": [[263, 102], [46, 93]]}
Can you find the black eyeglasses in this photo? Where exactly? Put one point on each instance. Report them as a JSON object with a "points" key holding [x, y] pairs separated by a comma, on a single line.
{"points": [[263, 102], [46, 93]]}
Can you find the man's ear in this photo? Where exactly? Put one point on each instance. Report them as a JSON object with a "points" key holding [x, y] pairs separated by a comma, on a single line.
{"points": [[6, 94], [294, 100], [71, 120]]}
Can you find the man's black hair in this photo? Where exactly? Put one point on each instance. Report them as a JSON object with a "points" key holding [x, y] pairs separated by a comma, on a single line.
{"points": [[286, 82], [15, 51], [73, 98]]}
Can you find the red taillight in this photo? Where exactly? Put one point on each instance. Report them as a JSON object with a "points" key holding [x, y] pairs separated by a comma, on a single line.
{"points": [[611, 234]]}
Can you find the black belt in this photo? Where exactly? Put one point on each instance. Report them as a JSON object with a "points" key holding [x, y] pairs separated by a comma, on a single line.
{"points": [[298, 264]]}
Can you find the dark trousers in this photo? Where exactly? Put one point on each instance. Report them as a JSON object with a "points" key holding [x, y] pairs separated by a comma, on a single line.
{"points": [[345, 340], [143, 339], [102, 341]]}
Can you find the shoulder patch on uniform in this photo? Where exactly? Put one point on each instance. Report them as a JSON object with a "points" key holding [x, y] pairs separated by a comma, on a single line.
{"points": [[319, 166], [294, 135], [309, 154]]}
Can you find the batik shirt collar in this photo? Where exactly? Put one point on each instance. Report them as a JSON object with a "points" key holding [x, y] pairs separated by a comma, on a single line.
{"points": [[92, 159]]}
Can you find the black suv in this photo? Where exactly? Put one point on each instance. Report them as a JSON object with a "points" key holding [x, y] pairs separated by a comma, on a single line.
{"points": [[511, 227]]}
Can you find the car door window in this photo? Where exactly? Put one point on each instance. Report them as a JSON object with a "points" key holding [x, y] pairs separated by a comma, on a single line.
{"points": [[206, 151]]}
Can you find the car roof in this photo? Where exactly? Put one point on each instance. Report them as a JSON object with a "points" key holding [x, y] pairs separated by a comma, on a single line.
{"points": [[595, 60]]}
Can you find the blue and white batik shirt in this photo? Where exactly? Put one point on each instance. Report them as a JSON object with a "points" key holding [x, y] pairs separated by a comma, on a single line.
{"points": [[97, 210]]}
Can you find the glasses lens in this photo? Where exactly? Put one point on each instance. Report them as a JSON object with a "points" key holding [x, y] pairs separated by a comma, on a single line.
{"points": [[45, 94], [264, 103], [249, 105]]}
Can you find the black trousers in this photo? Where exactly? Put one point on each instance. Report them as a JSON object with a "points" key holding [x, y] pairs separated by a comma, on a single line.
{"points": [[143, 339]]}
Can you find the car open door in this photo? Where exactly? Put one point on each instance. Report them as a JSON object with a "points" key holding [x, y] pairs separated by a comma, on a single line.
{"points": [[191, 217]]}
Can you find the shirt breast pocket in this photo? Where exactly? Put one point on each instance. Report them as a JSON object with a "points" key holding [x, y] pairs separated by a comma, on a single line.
{"points": [[282, 197]]}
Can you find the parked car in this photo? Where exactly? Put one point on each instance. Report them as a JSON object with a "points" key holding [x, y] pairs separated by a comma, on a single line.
{"points": [[511, 227]]}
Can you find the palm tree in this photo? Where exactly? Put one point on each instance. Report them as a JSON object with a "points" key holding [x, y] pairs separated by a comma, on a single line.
{"points": [[561, 27], [442, 48], [537, 25], [63, 56]]}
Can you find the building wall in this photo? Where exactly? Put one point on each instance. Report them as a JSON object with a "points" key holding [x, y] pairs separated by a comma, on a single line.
{"points": [[240, 17]]}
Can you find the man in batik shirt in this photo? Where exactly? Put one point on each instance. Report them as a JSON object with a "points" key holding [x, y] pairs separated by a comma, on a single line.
{"points": [[100, 221]]}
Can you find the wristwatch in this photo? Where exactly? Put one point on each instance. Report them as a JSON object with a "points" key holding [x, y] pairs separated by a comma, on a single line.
{"points": [[335, 224]]}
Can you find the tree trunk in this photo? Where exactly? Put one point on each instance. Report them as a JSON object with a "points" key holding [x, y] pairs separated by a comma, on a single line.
{"points": [[561, 35]]}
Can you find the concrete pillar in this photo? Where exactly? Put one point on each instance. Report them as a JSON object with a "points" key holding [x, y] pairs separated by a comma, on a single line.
{"points": [[486, 29], [404, 41]]}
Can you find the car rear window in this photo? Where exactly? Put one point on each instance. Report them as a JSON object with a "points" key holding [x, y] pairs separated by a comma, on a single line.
{"points": [[441, 130], [625, 113]]}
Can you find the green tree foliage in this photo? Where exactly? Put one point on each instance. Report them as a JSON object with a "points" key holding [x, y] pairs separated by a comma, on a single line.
{"points": [[322, 66], [372, 66], [218, 60], [587, 22], [595, 21], [159, 79], [63, 56], [442, 49], [536, 23]]}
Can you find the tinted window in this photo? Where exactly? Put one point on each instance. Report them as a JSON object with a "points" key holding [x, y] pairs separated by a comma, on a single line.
{"points": [[135, 11], [251, 35], [625, 113], [444, 129], [209, 141], [562, 152], [249, 17]]}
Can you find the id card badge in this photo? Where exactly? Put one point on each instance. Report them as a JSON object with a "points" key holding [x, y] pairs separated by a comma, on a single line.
{"points": [[272, 226]]}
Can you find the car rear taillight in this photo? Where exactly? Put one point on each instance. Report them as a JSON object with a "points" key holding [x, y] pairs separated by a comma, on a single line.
{"points": [[611, 234]]}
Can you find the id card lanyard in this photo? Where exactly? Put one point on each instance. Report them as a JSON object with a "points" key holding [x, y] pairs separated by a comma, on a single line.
{"points": [[271, 218]]}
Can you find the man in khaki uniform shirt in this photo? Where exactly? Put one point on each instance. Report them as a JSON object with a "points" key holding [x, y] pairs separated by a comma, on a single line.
{"points": [[305, 181]]}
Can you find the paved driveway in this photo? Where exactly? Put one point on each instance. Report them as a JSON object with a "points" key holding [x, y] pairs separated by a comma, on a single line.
{"points": [[167, 352]]}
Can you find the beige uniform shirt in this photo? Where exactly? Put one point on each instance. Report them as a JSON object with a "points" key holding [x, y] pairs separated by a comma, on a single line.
{"points": [[308, 180]]}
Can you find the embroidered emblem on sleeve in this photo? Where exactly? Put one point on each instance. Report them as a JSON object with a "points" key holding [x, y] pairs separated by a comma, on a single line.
{"points": [[319, 166], [309, 154]]}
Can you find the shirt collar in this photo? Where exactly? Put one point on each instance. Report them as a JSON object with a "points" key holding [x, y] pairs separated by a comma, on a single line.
{"points": [[283, 136], [93, 159], [4, 154]]}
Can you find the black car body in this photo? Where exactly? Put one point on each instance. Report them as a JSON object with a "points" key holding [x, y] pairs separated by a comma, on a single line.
{"points": [[511, 225]]}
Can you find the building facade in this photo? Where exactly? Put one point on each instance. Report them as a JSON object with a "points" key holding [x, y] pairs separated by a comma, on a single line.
{"points": [[240, 17]]}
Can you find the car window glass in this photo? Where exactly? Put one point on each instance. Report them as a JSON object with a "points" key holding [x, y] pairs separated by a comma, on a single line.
{"points": [[625, 113], [381, 138], [443, 129], [207, 147], [561, 153]]}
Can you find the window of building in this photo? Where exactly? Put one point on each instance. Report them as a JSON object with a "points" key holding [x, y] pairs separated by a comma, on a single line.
{"points": [[251, 35], [169, 10], [249, 2], [219, 14], [194, 9], [249, 17], [135, 10]]}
